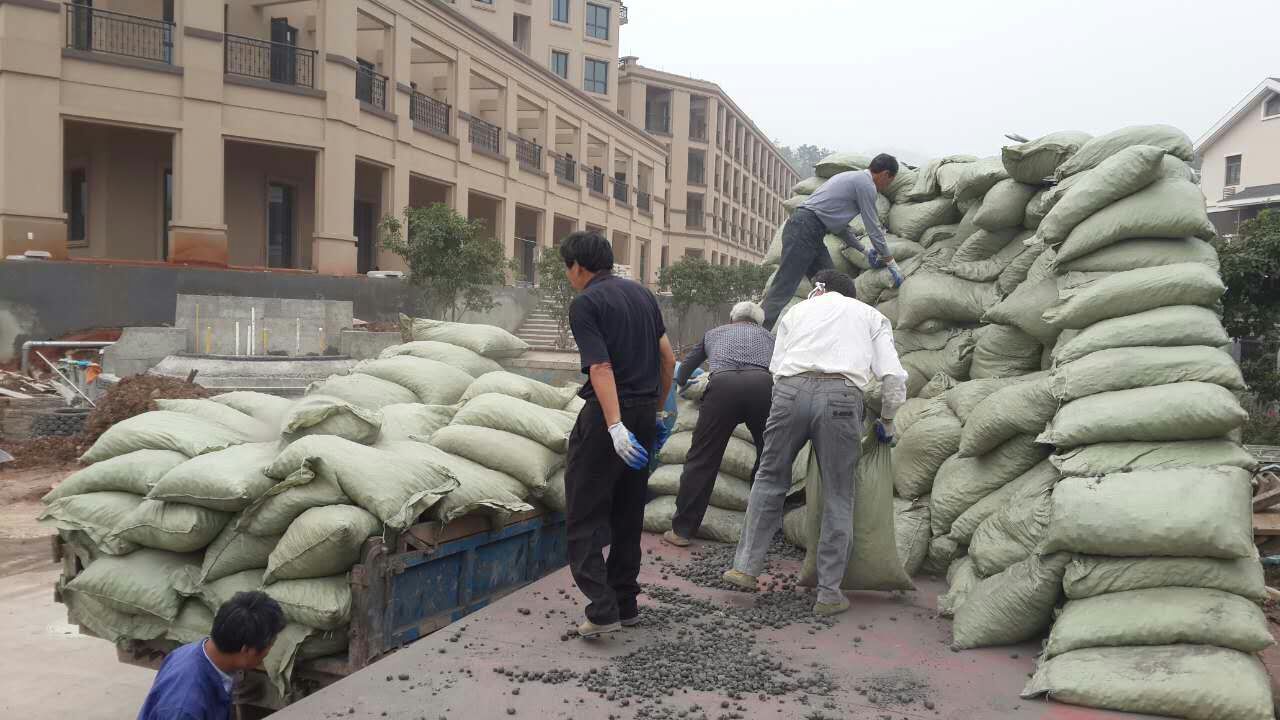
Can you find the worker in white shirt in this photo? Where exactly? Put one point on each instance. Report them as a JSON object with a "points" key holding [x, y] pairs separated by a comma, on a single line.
{"points": [[828, 350]]}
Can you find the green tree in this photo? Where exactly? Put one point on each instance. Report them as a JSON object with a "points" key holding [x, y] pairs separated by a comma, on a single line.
{"points": [[803, 159], [452, 259], [555, 292], [1250, 266], [693, 282]]}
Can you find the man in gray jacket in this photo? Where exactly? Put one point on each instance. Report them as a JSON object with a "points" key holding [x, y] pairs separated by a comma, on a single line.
{"points": [[830, 210]]}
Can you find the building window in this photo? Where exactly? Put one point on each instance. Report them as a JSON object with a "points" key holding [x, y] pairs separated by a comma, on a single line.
{"points": [[77, 204], [1271, 108], [1233, 170], [560, 11], [521, 30], [596, 79], [597, 22], [560, 63]]}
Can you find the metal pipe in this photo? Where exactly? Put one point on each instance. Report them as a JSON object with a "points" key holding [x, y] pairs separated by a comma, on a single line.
{"points": [[27, 346], [66, 379]]}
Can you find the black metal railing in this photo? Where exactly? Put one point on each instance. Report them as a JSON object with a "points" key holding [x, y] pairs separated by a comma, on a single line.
{"points": [[485, 136], [93, 30], [271, 61], [595, 181], [643, 200], [429, 112], [567, 169], [371, 87], [620, 191], [528, 154]]}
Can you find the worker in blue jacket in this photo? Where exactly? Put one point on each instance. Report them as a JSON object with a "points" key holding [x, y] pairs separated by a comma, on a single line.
{"points": [[195, 681]]}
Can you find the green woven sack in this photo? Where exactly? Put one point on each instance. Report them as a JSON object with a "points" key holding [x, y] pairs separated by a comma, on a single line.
{"points": [[518, 386], [487, 340], [227, 480], [1014, 606], [235, 551], [549, 428], [1090, 575], [961, 579], [1198, 682], [323, 541], [1092, 153], [1141, 253], [322, 603], [366, 391], [1177, 411], [1119, 176], [1166, 208], [1109, 457], [327, 415], [727, 492], [172, 526], [97, 515], [962, 482], [480, 490], [133, 473], [1171, 326], [1085, 300], [1021, 409], [163, 430], [525, 460], [141, 583], [1004, 205], [1134, 367], [1032, 162], [472, 363], [1179, 512], [433, 382], [1187, 615], [414, 421]]}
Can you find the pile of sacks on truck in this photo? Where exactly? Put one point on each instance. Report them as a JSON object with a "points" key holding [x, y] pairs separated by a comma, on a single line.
{"points": [[180, 508], [1072, 433]]}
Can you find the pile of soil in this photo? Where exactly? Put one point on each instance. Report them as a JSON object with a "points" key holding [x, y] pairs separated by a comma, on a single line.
{"points": [[134, 396], [45, 452]]}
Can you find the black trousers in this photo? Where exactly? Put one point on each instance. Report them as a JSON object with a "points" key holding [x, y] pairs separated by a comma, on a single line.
{"points": [[803, 255], [605, 506], [733, 397]]}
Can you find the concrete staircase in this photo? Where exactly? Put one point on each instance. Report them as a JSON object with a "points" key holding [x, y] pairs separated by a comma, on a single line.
{"points": [[539, 330]]}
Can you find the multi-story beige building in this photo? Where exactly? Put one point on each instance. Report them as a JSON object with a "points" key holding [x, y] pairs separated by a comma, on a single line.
{"points": [[726, 180], [1240, 159], [277, 134]]}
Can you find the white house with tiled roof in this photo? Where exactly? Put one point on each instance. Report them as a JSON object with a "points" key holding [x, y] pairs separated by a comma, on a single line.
{"points": [[1240, 159]]}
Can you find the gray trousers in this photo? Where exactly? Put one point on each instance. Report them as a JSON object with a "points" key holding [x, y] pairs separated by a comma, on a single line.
{"points": [[828, 412]]}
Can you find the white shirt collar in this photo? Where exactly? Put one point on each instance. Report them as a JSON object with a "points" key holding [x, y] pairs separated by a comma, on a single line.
{"points": [[227, 680]]}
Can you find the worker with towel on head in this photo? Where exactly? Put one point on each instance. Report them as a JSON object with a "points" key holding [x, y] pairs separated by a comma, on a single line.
{"points": [[738, 392], [829, 349]]}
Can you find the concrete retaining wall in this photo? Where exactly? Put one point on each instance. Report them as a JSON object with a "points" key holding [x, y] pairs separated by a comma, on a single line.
{"points": [[44, 300], [362, 345]]}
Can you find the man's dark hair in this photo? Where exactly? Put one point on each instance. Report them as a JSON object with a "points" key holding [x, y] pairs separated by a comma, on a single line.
{"points": [[589, 249], [836, 281], [884, 161], [249, 619]]}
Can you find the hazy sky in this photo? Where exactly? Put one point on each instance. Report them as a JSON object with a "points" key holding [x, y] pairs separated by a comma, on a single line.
{"points": [[935, 77]]}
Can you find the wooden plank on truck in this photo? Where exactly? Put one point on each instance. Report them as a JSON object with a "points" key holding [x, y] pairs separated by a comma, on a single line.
{"points": [[1266, 523]]}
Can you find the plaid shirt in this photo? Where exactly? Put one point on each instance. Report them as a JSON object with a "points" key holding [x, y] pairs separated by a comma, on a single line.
{"points": [[736, 346]]}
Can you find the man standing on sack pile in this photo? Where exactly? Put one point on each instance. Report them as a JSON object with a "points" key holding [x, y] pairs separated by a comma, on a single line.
{"points": [[627, 357], [830, 210], [739, 392], [829, 348]]}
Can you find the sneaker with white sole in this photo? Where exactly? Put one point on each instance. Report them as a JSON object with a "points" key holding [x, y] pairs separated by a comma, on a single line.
{"points": [[632, 621], [671, 538], [829, 609], [588, 629], [741, 580]]}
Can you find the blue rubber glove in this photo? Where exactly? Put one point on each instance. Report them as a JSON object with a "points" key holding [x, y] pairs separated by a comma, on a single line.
{"points": [[873, 258], [895, 273], [660, 439], [885, 432], [628, 447]]}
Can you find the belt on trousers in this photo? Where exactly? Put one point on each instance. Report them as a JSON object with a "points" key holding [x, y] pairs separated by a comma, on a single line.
{"points": [[742, 369]]}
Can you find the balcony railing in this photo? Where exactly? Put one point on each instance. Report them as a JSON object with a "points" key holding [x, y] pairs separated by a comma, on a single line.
{"points": [[371, 87], [429, 113], [528, 154], [93, 30], [695, 219], [595, 181], [484, 136], [567, 169], [270, 61], [620, 192], [643, 201]]}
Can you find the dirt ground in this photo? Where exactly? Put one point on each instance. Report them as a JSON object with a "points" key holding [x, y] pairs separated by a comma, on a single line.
{"points": [[49, 670]]}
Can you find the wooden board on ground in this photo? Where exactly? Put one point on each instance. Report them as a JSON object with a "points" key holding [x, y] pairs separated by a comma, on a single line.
{"points": [[1266, 523]]}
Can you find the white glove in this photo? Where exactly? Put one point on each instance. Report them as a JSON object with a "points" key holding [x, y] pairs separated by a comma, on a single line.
{"points": [[628, 447]]}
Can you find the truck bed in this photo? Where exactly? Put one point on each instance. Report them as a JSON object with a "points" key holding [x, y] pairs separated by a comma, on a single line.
{"points": [[448, 678]]}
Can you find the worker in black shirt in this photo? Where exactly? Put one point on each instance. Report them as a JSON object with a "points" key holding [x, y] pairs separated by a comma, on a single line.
{"points": [[628, 359]]}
